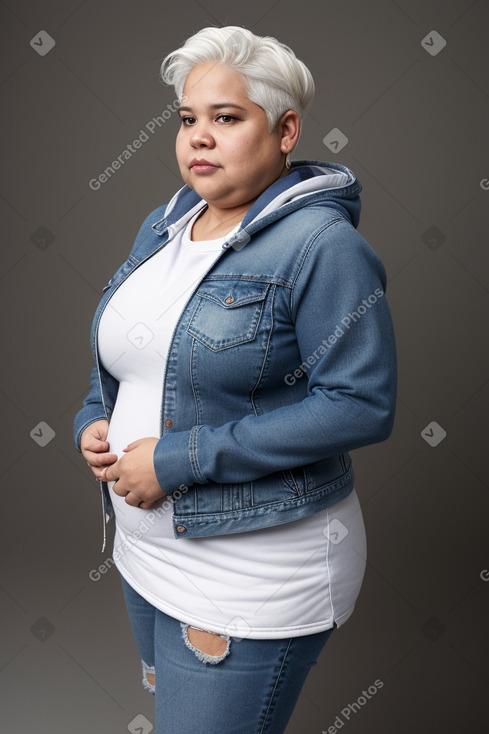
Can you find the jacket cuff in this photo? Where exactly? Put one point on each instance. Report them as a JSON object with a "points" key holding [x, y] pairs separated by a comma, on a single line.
{"points": [[175, 460], [86, 420]]}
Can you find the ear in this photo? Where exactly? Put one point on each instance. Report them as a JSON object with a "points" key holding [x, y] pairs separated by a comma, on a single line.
{"points": [[289, 127]]}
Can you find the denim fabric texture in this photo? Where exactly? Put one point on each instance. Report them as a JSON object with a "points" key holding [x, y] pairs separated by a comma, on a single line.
{"points": [[252, 687], [283, 361]]}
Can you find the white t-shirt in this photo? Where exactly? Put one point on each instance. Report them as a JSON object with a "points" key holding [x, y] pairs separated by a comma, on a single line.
{"points": [[282, 581]]}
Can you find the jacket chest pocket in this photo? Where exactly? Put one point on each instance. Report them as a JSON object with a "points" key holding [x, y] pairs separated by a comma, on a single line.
{"points": [[227, 313]]}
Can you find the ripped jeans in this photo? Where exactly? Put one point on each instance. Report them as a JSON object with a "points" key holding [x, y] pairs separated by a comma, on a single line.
{"points": [[248, 687]]}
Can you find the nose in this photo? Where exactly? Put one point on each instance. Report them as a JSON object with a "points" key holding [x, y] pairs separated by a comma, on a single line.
{"points": [[201, 135]]}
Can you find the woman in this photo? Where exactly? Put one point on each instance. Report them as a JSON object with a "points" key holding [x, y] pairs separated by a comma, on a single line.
{"points": [[241, 351]]}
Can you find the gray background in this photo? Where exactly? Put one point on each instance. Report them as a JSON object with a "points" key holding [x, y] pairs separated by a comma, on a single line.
{"points": [[417, 128]]}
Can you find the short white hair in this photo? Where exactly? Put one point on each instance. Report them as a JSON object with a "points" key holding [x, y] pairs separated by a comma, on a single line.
{"points": [[274, 78]]}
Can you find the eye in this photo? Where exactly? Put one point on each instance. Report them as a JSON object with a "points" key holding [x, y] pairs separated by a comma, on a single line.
{"points": [[227, 118], [188, 120]]}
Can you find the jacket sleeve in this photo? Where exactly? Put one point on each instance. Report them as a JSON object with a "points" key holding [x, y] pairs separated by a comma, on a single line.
{"points": [[345, 336]]}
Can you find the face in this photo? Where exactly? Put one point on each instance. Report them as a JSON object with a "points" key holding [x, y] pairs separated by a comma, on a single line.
{"points": [[224, 150]]}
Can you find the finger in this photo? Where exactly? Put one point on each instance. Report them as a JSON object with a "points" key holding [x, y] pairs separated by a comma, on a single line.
{"points": [[120, 490], [101, 460], [98, 473], [96, 470], [131, 446], [133, 500], [110, 473], [95, 444]]}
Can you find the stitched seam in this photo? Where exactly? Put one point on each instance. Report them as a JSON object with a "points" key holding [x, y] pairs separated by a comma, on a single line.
{"points": [[266, 355], [193, 450], [279, 675], [306, 253], [328, 569]]}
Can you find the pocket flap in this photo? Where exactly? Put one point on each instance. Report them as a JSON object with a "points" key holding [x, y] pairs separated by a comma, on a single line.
{"points": [[232, 294]]}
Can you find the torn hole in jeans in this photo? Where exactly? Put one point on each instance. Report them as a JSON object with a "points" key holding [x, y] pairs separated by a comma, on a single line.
{"points": [[148, 670], [200, 654]]}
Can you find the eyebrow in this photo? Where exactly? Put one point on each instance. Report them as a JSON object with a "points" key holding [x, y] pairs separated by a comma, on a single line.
{"points": [[217, 106]]}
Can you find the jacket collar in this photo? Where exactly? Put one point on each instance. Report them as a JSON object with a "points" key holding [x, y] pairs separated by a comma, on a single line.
{"points": [[186, 202]]}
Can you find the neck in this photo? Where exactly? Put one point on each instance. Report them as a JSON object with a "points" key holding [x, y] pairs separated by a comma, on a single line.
{"points": [[215, 222]]}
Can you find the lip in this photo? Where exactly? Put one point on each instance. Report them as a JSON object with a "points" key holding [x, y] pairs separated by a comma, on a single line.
{"points": [[201, 165]]}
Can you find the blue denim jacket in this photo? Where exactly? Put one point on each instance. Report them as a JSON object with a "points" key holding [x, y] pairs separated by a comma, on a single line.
{"points": [[283, 359]]}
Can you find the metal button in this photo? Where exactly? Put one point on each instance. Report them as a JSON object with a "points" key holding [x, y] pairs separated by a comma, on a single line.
{"points": [[229, 299], [168, 423], [181, 528]]}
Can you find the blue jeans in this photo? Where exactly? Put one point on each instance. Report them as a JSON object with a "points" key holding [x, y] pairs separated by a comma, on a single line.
{"points": [[252, 688]]}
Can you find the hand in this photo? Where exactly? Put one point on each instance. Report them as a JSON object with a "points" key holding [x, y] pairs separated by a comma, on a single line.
{"points": [[95, 447], [134, 474]]}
